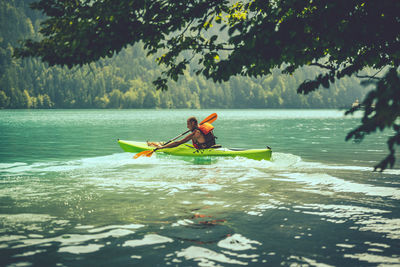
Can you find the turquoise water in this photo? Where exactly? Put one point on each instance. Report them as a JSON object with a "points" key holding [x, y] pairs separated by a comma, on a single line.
{"points": [[69, 196]]}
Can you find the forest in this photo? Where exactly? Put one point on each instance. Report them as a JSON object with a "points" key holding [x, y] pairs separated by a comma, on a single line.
{"points": [[125, 80]]}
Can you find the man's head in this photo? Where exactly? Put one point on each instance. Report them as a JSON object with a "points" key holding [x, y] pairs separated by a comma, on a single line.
{"points": [[192, 123]]}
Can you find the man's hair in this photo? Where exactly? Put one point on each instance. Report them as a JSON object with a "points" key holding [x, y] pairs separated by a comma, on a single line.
{"points": [[193, 119]]}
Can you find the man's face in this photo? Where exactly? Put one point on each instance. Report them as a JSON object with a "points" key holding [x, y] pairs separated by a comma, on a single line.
{"points": [[190, 124]]}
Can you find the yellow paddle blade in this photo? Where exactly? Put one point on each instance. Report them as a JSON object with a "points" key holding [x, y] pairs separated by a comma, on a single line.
{"points": [[146, 153], [210, 119], [150, 154]]}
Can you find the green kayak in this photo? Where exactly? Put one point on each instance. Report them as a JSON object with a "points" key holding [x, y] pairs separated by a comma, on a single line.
{"points": [[189, 150]]}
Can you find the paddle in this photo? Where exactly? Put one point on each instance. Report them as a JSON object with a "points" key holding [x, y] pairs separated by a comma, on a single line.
{"points": [[148, 153]]}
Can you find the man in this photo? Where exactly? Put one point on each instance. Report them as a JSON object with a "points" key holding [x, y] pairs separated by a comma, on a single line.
{"points": [[201, 136]]}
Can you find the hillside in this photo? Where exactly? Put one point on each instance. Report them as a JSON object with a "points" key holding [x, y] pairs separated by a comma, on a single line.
{"points": [[125, 80]]}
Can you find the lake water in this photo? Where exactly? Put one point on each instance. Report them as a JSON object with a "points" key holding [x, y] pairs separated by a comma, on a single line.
{"points": [[69, 196]]}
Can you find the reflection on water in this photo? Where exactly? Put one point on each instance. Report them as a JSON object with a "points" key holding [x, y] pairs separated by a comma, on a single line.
{"points": [[231, 211]]}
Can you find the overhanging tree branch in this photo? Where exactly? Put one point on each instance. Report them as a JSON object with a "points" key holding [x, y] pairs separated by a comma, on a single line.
{"points": [[323, 66]]}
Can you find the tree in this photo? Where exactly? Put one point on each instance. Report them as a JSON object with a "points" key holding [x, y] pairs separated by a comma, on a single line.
{"points": [[27, 101], [46, 101], [101, 102], [341, 37], [149, 100], [116, 99], [4, 100]]}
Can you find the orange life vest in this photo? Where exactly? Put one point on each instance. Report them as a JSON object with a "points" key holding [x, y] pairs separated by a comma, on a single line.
{"points": [[206, 129]]}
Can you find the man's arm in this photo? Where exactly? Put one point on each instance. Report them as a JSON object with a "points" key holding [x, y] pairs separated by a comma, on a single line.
{"points": [[177, 143]]}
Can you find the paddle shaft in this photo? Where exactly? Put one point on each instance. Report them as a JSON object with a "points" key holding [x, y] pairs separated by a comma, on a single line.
{"points": [[176, 138], [172, 140]]}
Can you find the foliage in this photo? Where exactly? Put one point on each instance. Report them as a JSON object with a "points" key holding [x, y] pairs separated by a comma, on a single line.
{"points": [[125, 81], [377, 116], [251, 38]]}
